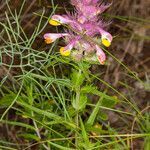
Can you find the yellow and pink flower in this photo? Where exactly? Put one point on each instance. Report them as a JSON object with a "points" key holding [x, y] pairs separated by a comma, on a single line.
{"points": [[83, 22]]}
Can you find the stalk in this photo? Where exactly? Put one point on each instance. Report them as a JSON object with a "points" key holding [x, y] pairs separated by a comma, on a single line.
{"points": [[77, 113]]}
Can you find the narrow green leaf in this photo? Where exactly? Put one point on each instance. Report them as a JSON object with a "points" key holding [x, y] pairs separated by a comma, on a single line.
{"points": [[48, 114], [95, 91], [84, 134], [29, 136], [7, 100], [7, 148], [21, 124], [93, 115], [60, 147], [147, 143]]}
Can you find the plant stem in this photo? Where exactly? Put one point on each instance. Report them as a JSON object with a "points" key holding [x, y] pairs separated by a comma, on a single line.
{"points": [[77, 113]]}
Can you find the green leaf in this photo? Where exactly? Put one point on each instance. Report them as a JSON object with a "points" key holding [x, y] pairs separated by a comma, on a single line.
{"points": [[109, 102], [77, 78], [88, 89], [147, 143], [97, 128], [81, 103], [93, 115], [92, 89], [85, 143], [102, 115], [59, 146], [29, 136], [20, 124], [7, 100], [50, 79], [29, 90], [71, 111], [84, 134], [47, 114]]}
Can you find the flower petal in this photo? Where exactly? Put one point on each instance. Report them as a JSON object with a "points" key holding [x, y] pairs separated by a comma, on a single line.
{"points": [[57, 20], [106, 42], [103, 7], [54, 22], [51, 37], [65, 51], [105, 37], [100, 54]]}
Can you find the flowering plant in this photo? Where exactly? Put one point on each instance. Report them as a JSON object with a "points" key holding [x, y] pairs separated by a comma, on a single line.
{"points": [[84, 22]]}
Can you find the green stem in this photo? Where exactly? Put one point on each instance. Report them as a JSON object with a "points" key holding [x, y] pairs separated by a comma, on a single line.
{"points": [[77, 114], [77, 89]]}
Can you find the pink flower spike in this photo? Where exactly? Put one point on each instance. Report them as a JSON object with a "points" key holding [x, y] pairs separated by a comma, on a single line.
{"points": [[100, 54], [51, 37], [83, 22]]}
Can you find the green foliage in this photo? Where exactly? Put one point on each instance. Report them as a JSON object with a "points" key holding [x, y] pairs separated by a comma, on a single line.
{"points": [[82, 102], [147, 143], [77, 78], [50, 106], [7, 100]]}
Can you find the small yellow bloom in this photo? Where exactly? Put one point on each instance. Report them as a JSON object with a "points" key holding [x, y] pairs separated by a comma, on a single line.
{"points": [[54, 22], [64, 52], [106, 42]]}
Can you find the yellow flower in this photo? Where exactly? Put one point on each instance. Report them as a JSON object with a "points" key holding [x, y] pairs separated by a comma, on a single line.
{"points": [[64, 52], [54, 22], [106, 42]]}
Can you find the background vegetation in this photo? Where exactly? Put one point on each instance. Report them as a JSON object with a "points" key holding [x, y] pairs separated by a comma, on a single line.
{"points": [[51, 102]]}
